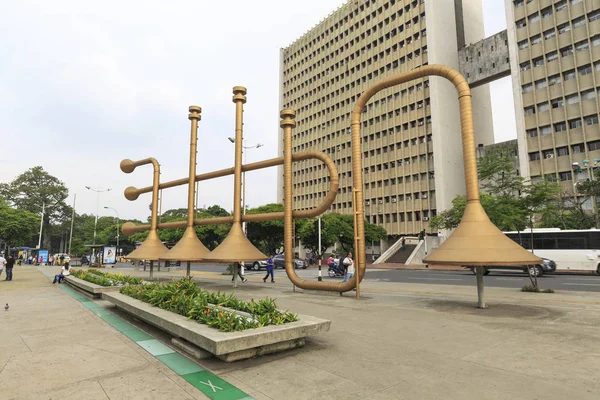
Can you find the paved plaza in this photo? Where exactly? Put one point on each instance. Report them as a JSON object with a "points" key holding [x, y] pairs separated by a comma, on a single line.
{"points": [[400, 341]]}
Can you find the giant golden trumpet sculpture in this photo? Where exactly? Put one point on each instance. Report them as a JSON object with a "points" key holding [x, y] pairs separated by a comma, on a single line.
{"points": [[475, 242]]}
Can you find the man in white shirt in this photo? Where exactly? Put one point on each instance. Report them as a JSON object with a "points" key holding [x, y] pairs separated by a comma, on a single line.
{"points": [[2, 262], [349, 265]]}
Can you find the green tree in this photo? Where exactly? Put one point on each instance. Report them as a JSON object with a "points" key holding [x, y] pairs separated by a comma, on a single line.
{"points": [[335, 228], [17, 227], [266, 235], [36, 189]]}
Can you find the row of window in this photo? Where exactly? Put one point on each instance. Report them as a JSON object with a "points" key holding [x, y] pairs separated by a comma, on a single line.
{"points": [[562, 126], [559, 102], [566, 76], [564, 151], [399, 198], [347, 32], [547, 12], [349, 85], [559, 5], [320, 65], [566, 51], [410, 216]]}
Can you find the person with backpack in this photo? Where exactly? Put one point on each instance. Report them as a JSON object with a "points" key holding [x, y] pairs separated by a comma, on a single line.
{"points": [[269, 270], [64, 271], [10, 263]]}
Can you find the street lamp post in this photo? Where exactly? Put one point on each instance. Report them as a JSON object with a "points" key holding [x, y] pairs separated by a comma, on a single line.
{"points": [[98, 191], [256, 146], [116, 212]]}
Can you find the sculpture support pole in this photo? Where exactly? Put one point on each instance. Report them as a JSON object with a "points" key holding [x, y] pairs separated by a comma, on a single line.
{"points": [[480, 294], [239, 98]]}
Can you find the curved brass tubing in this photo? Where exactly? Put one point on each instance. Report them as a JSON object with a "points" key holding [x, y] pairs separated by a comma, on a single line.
{"points": [[130, 228], [470, 165]]}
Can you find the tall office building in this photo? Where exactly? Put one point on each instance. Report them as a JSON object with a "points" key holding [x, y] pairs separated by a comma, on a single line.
{"points": [[555, 62], [411, 146]]}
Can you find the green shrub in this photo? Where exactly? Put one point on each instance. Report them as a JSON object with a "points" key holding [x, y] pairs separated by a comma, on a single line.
{"points": [[185, 298], [105, 278]]}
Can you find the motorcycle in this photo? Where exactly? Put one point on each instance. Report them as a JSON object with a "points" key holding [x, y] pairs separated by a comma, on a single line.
{"points": [[335, 270]]}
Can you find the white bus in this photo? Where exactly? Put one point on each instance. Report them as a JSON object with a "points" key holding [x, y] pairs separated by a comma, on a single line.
{"points": [[576, 250]]}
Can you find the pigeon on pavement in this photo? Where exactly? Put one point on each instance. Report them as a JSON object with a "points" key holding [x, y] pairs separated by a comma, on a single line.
{"points": [[6, 307]]}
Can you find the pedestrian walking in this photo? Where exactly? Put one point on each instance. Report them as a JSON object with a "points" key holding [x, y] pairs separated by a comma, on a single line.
{"points": [[269, 270], [10, 263], [239, 269], [348, 264], [2, 262], [403, 244]]}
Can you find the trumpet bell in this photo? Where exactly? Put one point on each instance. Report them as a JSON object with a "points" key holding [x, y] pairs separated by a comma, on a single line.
{"points": [[189, 248], [151, 249], [235, 247], [477, 242]]}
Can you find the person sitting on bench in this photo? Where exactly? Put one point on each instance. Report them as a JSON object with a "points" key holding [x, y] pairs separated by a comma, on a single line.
{"points": [[63, 272]]}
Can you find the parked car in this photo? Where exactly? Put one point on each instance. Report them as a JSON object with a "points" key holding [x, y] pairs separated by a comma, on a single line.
{"points": [[279, 261], [255, 265], [546, 267]]}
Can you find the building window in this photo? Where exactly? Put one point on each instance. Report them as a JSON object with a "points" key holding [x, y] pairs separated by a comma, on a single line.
{"points": [[538, 62], [596, 40], [565, 176], [594, 15], [531, 133], [521, 23], [582, 45], [577, 22], [585, 70], [542, 107], [554, 79], [545, 130], [577, 148], [594, 145], [523, 44], [564, 28], [591, 120], [561, 5], [588, 94], [566, 51], [548, 153], [541, 84], [552, 56], [562, 151], [536, 39], [557, 103], [572, 99], [575, 123], [534, 18], [569, 75], [529, 110], [525, 66], [519, 3], [549, 34], [560, 127], [534, 156], [529, 87]]}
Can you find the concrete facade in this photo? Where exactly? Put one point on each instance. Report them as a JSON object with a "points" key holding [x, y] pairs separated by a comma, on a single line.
{"points": [[486, 60], [555, 60], [412, 153]]}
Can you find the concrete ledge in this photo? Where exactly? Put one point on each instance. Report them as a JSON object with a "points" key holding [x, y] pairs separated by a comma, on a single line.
{"points": [[228, 346], [90, 288]]}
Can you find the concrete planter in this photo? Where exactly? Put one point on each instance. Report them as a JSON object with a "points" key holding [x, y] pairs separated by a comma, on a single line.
{"points": [[89, 288], [227, 346]]}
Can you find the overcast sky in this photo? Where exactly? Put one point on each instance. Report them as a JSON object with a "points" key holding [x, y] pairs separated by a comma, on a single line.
{"points": [[84, 85]]}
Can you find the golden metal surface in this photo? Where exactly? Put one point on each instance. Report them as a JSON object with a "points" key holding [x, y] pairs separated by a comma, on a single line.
{"points": [[189, 247], [477, 240], [236, 246], [313, 212], [152, 248]]}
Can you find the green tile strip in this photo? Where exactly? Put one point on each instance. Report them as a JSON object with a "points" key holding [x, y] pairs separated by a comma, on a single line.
{"points": [[203, 380]]}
